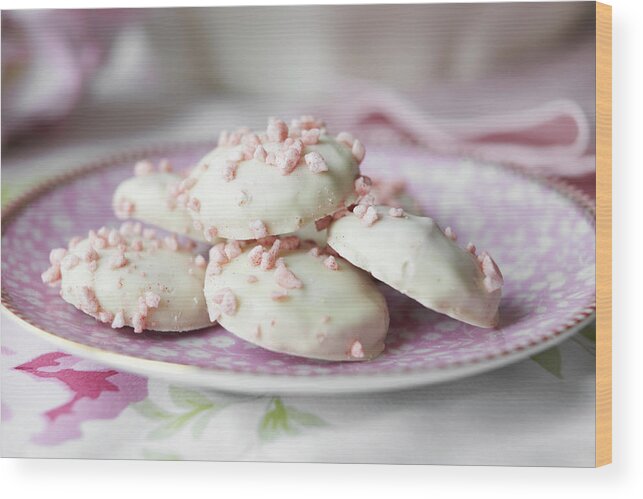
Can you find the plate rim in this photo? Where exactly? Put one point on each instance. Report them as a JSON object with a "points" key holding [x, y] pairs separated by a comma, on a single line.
{"points": [[280, 383]]}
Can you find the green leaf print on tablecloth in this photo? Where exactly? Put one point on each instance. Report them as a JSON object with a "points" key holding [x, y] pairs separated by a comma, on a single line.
{"points": [[281, 419], [195, 409], [550, 360]]}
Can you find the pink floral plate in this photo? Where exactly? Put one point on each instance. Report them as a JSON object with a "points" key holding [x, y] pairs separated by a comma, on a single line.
{"points": [[541, 234]]}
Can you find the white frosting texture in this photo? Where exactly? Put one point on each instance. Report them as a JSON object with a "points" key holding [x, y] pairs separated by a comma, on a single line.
{"points": [[414, 256], [321, 313]]}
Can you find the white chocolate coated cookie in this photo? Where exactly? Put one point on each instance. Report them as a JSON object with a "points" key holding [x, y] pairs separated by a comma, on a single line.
{"points": [[414, 256], [301, 306], [152, 198], [125, 278], [273, 183]]}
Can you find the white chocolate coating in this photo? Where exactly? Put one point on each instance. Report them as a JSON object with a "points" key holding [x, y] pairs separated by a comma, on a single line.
{"points": [[414, 256], [153, 203], [259, 192], [173, 276], [322, 319]]}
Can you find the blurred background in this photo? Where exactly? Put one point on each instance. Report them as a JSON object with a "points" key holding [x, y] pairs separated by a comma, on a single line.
{"points": [[511, 82]]}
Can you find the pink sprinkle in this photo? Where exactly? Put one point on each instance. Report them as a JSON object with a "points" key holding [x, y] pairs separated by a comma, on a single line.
{"points": [[73, 242], [331, 263], [357, 351], [223, 138], [211, 233], [138, 321], [114, 238], [268, 258], [90, 255], [143, 168], [152, 300], [254, 255], [370, 217], [252, 279], [229, 171], [56, 255], [471, 248], [360, 210], [227, 301], [323, 223], [194, 204], [149, 233], [69, 262], [286, 279], [316, 162], [287, 161], [124, 208], [88, 301], [450, 233], [119, 320], [217, 255], [52, 275], [279, 295], [358, 151], [345, 138], [289, 243], [197, 225], [260, 153], [340, 214], [396, 212], [314, 252], [105, 316], [277, 131], [258, 229], [493, 277], [171, 243], [363, 185], [200, 262], [310, 137], [142, 306], [118, 260], [165, 166], [232, 249], [234, 139], [326, 319]]}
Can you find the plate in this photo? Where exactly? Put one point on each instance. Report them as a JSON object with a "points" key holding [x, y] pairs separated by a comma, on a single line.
{"points": [[542, 234]]}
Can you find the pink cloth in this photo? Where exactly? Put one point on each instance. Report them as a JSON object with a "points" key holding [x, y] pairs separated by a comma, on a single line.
{"points": [[553, 138]]}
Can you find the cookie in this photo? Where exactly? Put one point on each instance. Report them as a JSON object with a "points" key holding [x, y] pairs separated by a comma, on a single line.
{"points": [[413, 255], [129, 277], [297, 300]]}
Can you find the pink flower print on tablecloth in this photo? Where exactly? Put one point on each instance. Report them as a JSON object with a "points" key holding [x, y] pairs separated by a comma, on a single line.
{"points": [[99, 394]]}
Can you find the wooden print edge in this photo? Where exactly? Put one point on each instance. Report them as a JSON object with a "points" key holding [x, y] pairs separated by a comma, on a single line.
{"points": [[603, 234]]}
